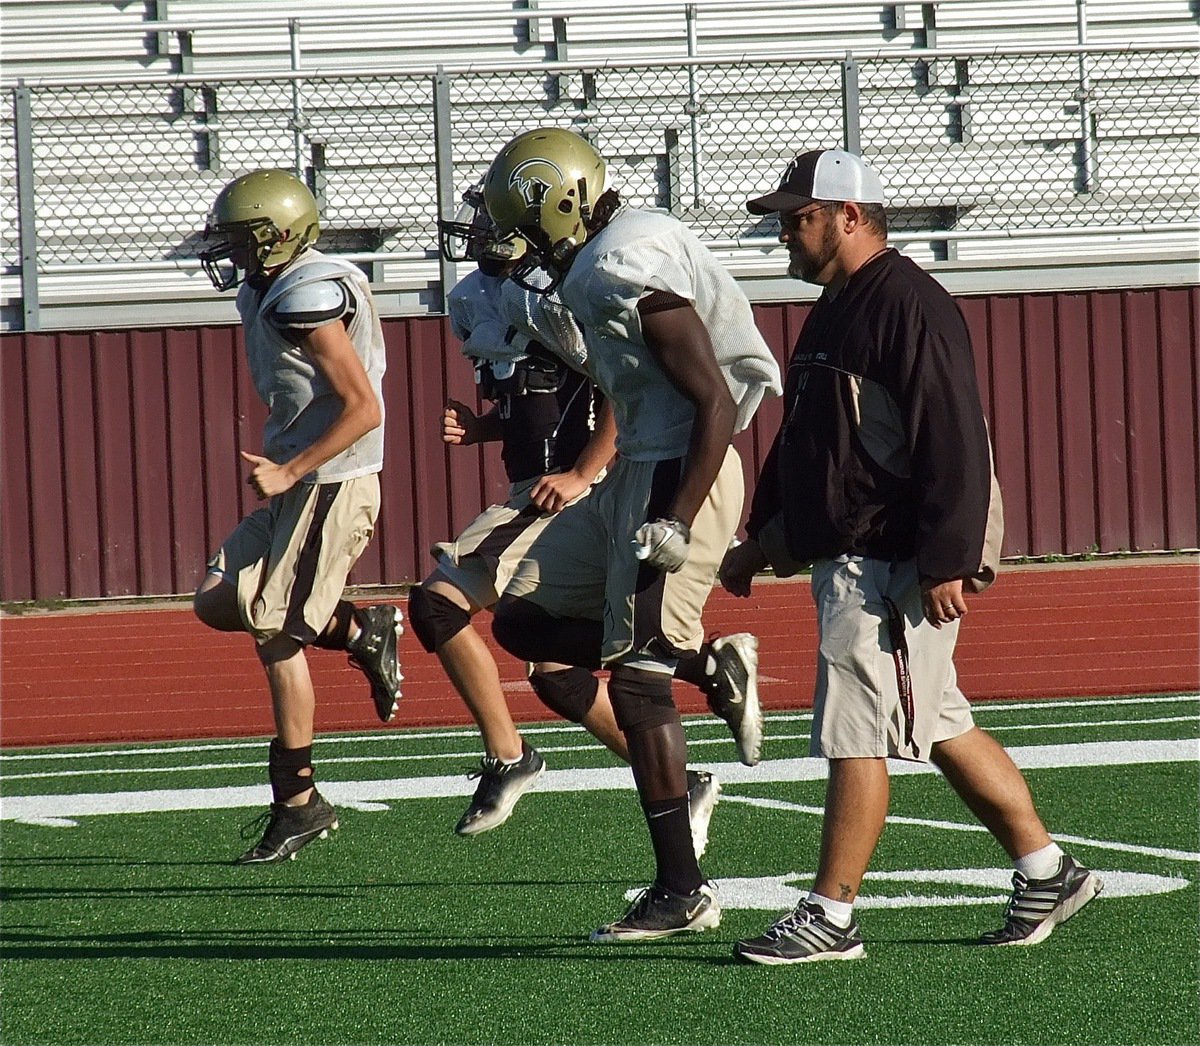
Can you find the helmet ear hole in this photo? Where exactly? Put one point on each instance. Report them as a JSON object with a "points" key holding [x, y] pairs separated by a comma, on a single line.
{"points": [[565, 206]]}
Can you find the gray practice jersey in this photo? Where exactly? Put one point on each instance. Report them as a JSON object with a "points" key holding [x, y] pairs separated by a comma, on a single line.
{"points": [[636, 253], [474, 307], [545, 319], [313, 291]]}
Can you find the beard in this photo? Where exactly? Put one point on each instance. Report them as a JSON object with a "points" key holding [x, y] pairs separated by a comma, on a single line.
{"points": [[807, 265]]}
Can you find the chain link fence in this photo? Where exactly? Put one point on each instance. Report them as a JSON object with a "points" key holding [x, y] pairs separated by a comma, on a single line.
{"points": [[122, 173]]}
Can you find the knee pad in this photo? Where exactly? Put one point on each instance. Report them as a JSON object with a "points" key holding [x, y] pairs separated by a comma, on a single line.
{"points": [[283, 768], [434, 619], [641, 700], [530, 633], [569, 693]]}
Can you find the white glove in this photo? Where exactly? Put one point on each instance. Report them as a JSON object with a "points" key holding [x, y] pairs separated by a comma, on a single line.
{"points": [[663, 543]]}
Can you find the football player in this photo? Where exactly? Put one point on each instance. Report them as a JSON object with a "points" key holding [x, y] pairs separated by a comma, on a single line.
{"points": [[673, 347], [529, 358], [315, 350]]}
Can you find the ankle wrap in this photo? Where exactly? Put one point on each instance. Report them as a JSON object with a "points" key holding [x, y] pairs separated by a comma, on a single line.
{"points": [[284, 766]]}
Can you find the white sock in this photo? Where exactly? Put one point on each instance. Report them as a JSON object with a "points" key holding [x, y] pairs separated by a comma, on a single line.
{"points": [[837, 912], [1041, 864]]}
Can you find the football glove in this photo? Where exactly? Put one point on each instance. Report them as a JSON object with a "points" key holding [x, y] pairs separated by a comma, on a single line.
{"points": [[663, 544]]}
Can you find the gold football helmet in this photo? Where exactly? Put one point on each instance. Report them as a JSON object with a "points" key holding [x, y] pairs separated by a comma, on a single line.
{"points": [[544, 186], [260, 221]]}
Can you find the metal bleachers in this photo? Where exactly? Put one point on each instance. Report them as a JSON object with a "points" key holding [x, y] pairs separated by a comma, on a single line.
{"points": [[999, 135]]}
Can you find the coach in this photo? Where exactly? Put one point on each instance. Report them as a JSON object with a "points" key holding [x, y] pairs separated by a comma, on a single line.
{"points": [[881, 478]]}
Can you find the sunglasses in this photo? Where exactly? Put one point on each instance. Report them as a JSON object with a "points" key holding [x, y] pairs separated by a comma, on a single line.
{"points": [[790, 223]]}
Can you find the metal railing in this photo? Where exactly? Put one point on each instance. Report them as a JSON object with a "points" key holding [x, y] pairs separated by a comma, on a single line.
{"points": [[917, 16], [974, 145]]}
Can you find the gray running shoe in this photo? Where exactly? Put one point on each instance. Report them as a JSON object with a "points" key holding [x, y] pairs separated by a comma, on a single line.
{"points": [[659, 912], [288, 830], [1039, 905], [803, 935], [375, 653], [500, 786], [703, 792], [734, 693]]}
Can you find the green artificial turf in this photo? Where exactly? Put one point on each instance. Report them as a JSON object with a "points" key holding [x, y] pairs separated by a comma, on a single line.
{"points": [[134, 927]]}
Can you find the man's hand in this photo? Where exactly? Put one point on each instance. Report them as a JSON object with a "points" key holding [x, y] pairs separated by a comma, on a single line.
{"points": [[267, 478], [460, 426], [943, 601], [663, 544], [739, 566], [555, 491]]}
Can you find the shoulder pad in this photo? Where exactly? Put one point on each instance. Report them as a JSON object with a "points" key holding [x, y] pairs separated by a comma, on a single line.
{"points": [[308, 270], [311, 304]]}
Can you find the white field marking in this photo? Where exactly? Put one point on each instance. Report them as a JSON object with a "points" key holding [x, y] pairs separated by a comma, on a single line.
{"points": [[34, 808], [1096, 723], [392, 736], [775, 892], [472, 756], [693, 742], [1086, 702], [898, 768], [699, 721], [1031, 706], [959, 826]]}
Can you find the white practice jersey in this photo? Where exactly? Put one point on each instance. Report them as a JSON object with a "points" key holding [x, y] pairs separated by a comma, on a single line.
{"points": [[496, 320], [314, 290], [639, 252]]}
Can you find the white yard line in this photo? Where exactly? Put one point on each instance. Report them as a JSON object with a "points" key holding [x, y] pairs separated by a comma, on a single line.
{"points": [[373, 795], [400, 736], [957, 826]]}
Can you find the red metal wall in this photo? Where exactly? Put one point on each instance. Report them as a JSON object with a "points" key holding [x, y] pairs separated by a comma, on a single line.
{"points": [[121, 472]]}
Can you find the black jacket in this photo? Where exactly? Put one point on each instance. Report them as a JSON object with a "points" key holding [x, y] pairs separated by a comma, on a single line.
{"points": [[883, 451]]}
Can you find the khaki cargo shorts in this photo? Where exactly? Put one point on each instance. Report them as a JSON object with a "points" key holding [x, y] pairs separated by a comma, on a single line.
{"points": [[584, 566], [481, 560], [289, 560], [858, 710]]}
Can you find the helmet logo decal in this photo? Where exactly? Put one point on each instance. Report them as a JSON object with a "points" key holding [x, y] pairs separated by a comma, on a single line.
{"points": [[531, 179]]}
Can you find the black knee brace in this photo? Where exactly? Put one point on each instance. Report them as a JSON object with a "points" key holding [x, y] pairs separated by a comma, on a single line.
{"points": [[434, 619], [527, 631], [641, 700], [283, 768], [570, 692]]}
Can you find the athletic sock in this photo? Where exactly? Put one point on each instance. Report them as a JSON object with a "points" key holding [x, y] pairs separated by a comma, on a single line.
{"points": [[839, 913], [671, 836], [698, 668], [1041, 864]]}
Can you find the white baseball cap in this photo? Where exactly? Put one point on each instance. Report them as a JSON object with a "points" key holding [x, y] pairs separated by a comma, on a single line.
{"points": [[822, 174]]}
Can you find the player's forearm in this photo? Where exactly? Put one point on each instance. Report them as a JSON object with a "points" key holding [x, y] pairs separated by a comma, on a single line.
{"points": [[600, 448], [712, 433], [490, 427]]}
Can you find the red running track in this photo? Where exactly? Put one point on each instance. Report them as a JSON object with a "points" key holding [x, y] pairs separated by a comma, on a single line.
{"points": [[157, 674]]}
